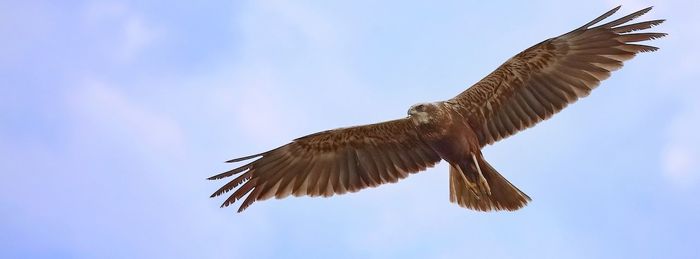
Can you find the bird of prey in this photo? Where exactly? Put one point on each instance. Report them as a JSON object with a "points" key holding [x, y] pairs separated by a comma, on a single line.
{"points": [[528, 88]]}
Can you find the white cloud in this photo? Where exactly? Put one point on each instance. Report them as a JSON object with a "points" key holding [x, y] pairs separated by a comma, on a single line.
{"points": [[137, 36], [292, 63], [316, 28], [103, 108], [96, 11], [134, 32], [260, 110], [294, 41], [630, 5], [680, 156], [679, 163]]}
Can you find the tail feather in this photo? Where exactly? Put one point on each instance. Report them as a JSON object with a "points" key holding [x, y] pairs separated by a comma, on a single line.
{"points": [[503, 196]]}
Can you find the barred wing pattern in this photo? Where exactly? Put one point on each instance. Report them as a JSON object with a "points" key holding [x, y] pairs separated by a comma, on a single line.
{"points": [[545, 78], [331, 162]]}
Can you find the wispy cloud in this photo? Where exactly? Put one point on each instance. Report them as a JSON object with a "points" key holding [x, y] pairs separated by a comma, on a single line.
{"points": [[101, 107], [680, 156], [134, 32], [292, 62], [630, 4], [137, 36], [258, 106]]}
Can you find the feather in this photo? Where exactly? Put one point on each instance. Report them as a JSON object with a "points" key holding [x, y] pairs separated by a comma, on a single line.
{"points": [[637, 26], [626, 18], [545, 78], [600, 18], [245, 158], [231, 172]]}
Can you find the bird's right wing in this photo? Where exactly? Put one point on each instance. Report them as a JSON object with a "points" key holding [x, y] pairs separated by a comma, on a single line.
{"points": [[543, 79], [331, 162]]}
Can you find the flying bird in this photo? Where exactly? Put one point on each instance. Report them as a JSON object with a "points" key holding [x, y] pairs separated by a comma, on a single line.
{"points": [[528, 88]]}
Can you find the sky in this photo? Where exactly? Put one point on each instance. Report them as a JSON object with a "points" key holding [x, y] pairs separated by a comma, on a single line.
{"points": [[115, 112]]}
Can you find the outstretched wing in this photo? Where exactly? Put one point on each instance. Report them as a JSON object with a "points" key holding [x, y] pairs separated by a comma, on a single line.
{"points": [[331, 162], [545, 78]]}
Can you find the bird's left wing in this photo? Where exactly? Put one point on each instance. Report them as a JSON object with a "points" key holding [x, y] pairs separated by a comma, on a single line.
{"points": [[545, 78], [331, 162]]}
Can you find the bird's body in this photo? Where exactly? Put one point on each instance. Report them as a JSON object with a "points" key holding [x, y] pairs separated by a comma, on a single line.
{"points": [[526, 89], [443, 127]]}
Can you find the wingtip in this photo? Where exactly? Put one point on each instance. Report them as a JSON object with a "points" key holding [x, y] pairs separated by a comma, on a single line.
{"points": [[660, 21], [240, 159], [645, 10], [243, 206], [657, 23], [245, 158], [614, 10], [642, 11], [599, 18]]}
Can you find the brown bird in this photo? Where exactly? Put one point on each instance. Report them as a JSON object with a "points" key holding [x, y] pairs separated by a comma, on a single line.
{"points": [[528, 88]]}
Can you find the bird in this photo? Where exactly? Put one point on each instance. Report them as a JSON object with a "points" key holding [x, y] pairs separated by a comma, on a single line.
{"points": [[528, 88]]}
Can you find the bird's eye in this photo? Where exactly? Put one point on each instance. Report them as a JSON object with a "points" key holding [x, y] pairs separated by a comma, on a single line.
{"points": [[420, 107]]}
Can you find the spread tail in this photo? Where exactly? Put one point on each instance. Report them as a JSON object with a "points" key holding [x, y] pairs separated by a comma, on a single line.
{"points": [[496, 193]]}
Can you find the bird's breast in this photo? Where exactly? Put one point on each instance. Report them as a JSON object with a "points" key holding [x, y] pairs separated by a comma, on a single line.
{"points": [[451, 137]]}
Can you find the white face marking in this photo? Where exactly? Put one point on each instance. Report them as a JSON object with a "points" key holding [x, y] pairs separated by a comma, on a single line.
{"points": [[422, 117], [419, 112]]}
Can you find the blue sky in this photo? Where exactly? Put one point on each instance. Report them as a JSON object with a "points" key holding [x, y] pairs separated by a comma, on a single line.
{"points": [[114, 113]]}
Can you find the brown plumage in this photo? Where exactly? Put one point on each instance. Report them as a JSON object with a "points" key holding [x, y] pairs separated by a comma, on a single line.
{"points": [[528, 88]]}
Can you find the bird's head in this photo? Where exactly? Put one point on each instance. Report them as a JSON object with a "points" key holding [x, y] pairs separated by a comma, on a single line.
{"points": [[423, 112]]}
